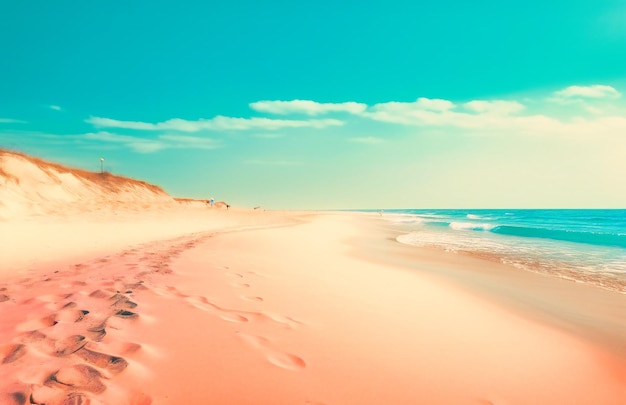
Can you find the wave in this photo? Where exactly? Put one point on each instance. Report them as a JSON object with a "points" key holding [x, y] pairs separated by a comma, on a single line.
{"points": [[403, 218], [471, 226], [587, 237], [473, 216], [594, 238]]}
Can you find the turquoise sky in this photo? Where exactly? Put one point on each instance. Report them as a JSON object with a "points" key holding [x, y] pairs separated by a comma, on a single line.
{"points": [[327, 104]]}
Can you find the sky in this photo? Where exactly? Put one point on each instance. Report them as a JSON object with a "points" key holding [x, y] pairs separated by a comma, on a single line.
{"points": [[327, 104]]}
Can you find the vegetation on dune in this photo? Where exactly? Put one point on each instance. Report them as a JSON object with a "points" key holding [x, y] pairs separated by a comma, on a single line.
{"points": [[105, 179]]}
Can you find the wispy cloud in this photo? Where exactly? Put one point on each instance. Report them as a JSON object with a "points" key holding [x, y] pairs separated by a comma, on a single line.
{"points": [[143, 145], [55, 107], [11, 121], [597, 91], [307, 107], [137, 144], [217, 123]]}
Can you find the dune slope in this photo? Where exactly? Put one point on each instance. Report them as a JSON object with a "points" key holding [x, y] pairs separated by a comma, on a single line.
{"points": [[31, 186]]}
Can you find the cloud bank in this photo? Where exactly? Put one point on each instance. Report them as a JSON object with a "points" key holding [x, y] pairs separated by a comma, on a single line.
{"points": [[573, 111]]}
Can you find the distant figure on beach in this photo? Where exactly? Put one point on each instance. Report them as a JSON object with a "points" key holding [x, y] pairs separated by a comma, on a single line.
{"points": [[381, 213], [211, 201]]}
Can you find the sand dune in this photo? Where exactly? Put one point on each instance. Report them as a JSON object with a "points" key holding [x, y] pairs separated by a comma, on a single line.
{"points": [[32, 186]]}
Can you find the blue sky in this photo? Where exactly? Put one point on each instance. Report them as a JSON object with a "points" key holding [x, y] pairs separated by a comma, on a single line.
{"points": [[340, 104]]}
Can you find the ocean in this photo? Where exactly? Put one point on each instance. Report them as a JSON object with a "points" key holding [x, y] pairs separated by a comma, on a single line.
{"points": [[586, 246]]}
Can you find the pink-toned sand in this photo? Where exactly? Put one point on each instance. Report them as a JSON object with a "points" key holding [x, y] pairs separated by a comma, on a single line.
{"points": [[278, 309], [184, 304]]}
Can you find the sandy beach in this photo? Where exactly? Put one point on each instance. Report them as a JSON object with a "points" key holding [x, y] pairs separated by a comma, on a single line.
{"points": [[313, 203], [282, 308], [122, 295]]}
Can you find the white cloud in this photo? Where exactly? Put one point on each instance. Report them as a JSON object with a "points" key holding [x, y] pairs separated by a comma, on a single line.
{"points": [[221, 122], [496, 107], [217, 123], [597, 112], [423, 112], [499, 117], [422, 104], [111, 123], [55, 107], [307, 107], [597, 91]]}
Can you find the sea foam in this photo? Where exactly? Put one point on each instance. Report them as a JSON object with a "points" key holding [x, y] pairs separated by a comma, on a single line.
{"points": [[471, 226]]}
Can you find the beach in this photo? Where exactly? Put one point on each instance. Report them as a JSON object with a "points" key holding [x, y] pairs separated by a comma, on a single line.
{"points": [[244, 306], [316, 203]]}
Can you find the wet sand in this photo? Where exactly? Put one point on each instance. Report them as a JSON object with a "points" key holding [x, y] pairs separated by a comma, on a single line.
{"points": [[282, 308]]}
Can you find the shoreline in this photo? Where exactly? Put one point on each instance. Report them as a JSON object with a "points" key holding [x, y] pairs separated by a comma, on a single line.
{"points": [[587, 310], [317, 311]]}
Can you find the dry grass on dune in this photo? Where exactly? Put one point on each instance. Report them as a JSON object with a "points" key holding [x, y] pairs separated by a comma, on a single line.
{"points": [[106, 180]]}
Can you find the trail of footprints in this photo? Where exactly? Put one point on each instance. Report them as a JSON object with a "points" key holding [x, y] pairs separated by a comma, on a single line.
{"points": [[273, 354], [70, 365]]}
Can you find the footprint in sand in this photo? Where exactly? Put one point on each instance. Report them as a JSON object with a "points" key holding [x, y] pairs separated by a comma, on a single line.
{"points": [[70, 313], [12, 352], [126, 314], [276, 357], [240, 285], [113, 364], [234, 317], [251, 298], [45, 394], [96, 333], [12, 398], [3, 295], [120, 301], [78, 376], [286, 360], [228, 315], [99, 294], [286, 321], [69, 345]]}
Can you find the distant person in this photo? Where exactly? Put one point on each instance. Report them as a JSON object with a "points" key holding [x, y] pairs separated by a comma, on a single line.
{"points": [[211, 201]]}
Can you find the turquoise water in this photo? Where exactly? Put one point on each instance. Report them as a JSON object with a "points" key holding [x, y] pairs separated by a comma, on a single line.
{"points": [[582, 245]]}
